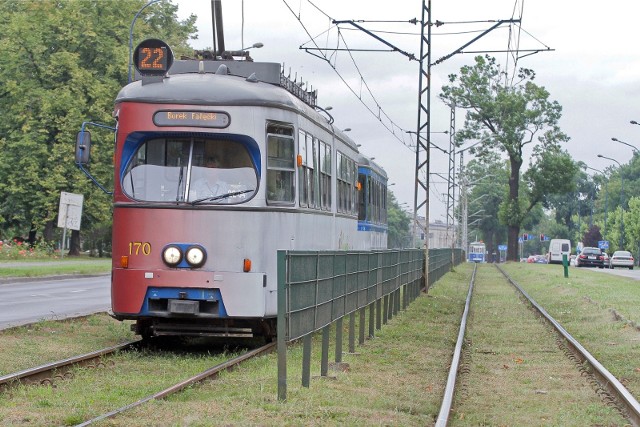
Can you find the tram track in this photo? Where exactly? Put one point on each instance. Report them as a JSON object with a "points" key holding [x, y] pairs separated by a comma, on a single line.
{"points": [[176, 388], [611, 391], [607, 382], [49, 372]]}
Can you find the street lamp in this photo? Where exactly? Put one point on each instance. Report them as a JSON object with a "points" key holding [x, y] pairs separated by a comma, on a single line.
{"points": [[633, 122], [605, 197], [635, 150], [621, 200], [131, 33]]}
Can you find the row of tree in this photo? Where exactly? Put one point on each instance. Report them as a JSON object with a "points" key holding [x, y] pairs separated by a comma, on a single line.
{"points": [[601, 206]]}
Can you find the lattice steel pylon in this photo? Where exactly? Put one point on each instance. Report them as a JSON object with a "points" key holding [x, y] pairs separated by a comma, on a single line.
{"points": [[451, 180], [421, 194]]}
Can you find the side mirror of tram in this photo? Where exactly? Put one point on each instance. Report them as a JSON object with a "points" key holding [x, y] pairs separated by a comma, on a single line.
{"points": [[83, 147]]}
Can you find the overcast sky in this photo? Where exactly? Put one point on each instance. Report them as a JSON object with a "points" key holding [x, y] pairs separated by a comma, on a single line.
{"points": [[592, 67]]}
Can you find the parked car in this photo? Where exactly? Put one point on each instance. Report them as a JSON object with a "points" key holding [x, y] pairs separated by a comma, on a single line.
{"points": [[590, 257], [540, 259], [605, 258], [621, 259]]}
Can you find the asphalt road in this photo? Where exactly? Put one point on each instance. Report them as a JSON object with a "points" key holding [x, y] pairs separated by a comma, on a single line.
{"points": [[624, 272], [26, 302]]}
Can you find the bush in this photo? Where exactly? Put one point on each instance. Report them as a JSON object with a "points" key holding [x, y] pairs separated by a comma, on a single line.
{"points": [[15, 249]]}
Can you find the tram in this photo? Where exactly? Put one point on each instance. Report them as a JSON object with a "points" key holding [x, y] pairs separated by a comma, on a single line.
{"points": [[477, 252], [218, 165]]}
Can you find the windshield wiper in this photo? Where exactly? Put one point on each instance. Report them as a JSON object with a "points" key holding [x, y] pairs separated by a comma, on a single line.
{"points": [[179, 183], [219, 197]]}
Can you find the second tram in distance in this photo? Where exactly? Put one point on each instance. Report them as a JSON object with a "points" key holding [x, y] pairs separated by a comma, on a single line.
{"points": [[477, 252]]}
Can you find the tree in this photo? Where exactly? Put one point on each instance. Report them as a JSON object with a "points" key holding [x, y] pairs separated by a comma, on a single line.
{"points": [[484, 176], [55, 75], [592, 236], [508, 119], [398, 221]]}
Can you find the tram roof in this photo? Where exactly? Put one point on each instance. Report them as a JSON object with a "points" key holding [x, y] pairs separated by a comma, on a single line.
{"points": [[241, 83], [210, 89]]}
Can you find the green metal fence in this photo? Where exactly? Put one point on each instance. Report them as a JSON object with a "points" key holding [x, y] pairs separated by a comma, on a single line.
{"points": [[318, 288]]}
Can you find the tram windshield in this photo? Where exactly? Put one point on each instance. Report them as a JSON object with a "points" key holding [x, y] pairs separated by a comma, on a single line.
{"points": [[191, 170]]}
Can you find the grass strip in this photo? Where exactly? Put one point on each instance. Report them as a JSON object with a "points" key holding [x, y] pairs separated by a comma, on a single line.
{"points": [[54, 267], [516, 374]]}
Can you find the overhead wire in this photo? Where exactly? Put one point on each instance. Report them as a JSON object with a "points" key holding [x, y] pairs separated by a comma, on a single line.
{"points": [[398, 134]]}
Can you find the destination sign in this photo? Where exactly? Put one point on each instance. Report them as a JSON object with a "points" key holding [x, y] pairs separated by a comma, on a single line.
{"points": [[152, 57], [206, 119]]}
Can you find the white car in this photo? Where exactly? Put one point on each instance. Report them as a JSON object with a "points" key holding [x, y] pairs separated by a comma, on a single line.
{"points": [[621, 259]]}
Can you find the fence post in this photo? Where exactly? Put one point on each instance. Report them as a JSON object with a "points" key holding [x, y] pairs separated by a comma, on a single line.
{"points": [[324, 362], [372, 313], [306, 359], [352, 332], [281, 328], [339, 340]]}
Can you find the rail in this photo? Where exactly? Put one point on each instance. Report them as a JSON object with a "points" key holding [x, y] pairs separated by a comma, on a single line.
{"points": [[447, 400]]}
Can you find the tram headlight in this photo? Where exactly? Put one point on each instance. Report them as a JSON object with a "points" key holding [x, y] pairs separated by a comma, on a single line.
{"points": [[196, 256], [172, 255]]}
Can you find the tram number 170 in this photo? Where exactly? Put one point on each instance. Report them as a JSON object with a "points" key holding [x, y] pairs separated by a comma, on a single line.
{"points": [[137, 248]]}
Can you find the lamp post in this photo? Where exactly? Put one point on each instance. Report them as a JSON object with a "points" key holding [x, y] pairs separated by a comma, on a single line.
{"points": [[633, 147], [621, 201], [605, 198], [131, 33], [633, 122]]}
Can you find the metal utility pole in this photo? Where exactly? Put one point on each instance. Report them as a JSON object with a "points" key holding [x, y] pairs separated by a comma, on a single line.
{"points": [[423, 127], [451, 194], [218, 30], [464, 207], [451, 180]]}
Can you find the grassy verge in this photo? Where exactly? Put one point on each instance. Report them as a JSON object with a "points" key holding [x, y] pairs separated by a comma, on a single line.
{"points": [[39, 268], [47, 341], [585, 304]]}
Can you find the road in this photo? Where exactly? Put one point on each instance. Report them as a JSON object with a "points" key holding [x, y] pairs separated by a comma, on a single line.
{"points": [[53, 299], [624, 272]]}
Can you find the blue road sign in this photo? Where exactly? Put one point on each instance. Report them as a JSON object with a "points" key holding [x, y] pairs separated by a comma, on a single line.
{"points": [[502, 247], [603, 244]]}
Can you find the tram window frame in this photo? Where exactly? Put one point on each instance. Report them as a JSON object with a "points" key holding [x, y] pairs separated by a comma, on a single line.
{"points": [[281, 166], [325, 175], [362, 197], [308, 187], [346, 175]]}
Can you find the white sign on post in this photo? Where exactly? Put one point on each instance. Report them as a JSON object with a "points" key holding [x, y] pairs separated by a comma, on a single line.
{"points": [[69, 214], [70, 211]]}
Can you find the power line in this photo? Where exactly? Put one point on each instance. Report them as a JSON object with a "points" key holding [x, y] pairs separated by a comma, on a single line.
{"points": [[396, 130]]}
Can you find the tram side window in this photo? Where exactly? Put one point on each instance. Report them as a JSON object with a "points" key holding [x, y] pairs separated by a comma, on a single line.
{"points": [[384, 203], [347, 174], [325, 175], [362, 205], [308, 151], [280, 164], [305, 152]]}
